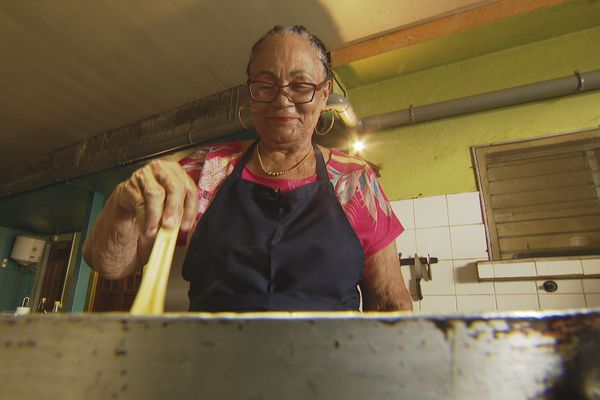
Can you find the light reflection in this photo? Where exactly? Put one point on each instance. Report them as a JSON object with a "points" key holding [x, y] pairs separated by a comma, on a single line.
{"points": [[358, 146]]}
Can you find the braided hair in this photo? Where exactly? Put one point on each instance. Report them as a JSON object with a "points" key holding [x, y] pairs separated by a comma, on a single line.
{"points": [[302, 32]]}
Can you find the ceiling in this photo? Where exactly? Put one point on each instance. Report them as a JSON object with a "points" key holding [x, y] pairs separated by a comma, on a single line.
{"points": [[504, 33], [71, 70]]}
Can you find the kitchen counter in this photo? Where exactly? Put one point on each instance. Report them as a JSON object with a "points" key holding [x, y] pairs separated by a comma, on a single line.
{"points": [[517, 355]]}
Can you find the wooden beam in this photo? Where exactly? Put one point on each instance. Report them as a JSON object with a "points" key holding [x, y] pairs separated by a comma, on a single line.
{"points": [[466, 20], [182, 127]]}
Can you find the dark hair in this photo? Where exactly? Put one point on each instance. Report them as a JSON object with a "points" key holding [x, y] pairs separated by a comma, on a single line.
{"points": [[302, 32]]}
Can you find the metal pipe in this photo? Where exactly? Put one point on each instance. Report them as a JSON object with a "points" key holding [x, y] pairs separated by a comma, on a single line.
{"points": [[579, 82], [59, 166], [342, 106]]}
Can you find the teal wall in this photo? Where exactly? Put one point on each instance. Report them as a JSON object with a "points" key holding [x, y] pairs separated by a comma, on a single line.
{"points": [[79, 295], [16, 281], [434, 158]]}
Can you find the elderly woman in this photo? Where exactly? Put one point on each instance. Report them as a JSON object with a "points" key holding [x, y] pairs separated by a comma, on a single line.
{"points": [[275, 224]]}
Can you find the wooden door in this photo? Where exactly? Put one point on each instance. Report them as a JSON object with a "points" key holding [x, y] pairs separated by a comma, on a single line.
{"points": [[55, 272], [116, 295]]}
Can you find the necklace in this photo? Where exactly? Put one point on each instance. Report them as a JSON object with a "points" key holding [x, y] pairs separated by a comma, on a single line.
{"points": [[286, 171]]}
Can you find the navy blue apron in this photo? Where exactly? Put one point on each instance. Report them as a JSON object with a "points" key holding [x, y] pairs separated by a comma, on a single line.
{"points": [[260, 249]]}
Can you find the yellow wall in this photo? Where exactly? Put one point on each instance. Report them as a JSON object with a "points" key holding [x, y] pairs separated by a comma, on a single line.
{"points": [[435, 158]]}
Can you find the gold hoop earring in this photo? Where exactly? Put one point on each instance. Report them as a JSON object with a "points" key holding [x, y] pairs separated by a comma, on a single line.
{"points": [[239, 115], [329, 128]]}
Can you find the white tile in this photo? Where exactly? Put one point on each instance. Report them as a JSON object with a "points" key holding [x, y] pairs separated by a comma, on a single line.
{"points": [[523, 302], [514, 270], [565, 286], [438, 304], [558, 267], [466, 279], [485, 270], [516, 287], [477, 303], [442, 282], [435, 242], [406, 243], [591, 266], [561, 301], [592, 300], [468, 241], [430, 212], [404, 210], [591, 285], [464, 208]]}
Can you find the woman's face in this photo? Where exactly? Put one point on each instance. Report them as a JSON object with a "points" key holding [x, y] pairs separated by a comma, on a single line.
{"points": [[283, 59]]}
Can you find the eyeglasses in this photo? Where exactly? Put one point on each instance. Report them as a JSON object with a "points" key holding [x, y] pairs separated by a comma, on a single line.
{"points": [[297, 92]]}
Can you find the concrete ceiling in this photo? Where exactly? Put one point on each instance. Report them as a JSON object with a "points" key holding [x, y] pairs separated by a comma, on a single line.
{"points": [[71, 70]]}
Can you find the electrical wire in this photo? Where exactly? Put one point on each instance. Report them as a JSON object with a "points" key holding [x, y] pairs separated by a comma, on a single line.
{"points": [[339, 84]]}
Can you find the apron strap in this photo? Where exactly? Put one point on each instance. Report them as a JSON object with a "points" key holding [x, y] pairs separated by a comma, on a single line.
{"points": [[322, 175], [237, 171]]}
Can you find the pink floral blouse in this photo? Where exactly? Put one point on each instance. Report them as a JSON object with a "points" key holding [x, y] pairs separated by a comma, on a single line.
{"points": [[355, 184]]}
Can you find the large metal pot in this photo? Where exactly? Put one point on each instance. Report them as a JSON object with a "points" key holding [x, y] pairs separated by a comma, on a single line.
{"points": [[529, 355]]}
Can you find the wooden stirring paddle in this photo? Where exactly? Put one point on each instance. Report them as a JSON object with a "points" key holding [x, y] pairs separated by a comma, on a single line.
{"points": [[150, 298]]}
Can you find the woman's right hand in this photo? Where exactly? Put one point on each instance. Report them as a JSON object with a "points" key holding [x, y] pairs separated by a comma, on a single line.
{"points": [[159, 194]]}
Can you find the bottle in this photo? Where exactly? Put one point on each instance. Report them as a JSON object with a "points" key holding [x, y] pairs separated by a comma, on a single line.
{"points": [[42, 306], [56, 307]]}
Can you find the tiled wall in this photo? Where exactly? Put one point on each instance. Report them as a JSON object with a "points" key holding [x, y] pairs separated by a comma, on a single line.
{"points": [[450, 227]]}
